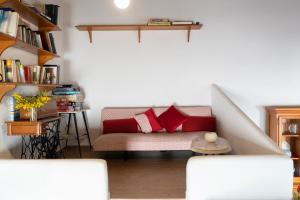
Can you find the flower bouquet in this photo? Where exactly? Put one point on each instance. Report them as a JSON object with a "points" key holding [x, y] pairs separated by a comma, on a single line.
{"points": [[31, 103]]}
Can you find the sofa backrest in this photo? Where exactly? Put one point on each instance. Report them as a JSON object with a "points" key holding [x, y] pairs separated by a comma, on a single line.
{"points": [[129, 112], [54, 179]]}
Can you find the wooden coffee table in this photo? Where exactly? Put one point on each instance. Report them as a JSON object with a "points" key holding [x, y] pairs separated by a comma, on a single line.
{"points": [[200, 145]]}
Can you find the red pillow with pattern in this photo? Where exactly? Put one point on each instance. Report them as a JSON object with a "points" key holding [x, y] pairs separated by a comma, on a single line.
{"points": [[148, 122]]}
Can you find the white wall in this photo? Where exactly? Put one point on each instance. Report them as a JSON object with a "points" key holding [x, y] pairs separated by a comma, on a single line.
{"points": [[249, 47]]}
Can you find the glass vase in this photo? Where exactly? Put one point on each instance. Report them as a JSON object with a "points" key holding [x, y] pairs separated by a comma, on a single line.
{"points": [[33, 114]]}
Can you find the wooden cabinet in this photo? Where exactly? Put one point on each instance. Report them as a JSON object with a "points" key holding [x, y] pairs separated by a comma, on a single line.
{"points": [[284, 127]]}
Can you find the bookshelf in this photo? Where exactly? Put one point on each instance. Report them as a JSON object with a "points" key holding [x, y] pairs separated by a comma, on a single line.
{"points": [[280, 118], [7, 41], [137, 27]]}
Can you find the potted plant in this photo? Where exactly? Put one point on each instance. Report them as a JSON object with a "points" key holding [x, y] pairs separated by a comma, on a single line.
{"points": [[31, 103]]}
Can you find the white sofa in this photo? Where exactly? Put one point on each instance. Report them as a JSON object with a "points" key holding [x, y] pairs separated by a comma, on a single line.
{"points": [[53, 180], [257, 169]]}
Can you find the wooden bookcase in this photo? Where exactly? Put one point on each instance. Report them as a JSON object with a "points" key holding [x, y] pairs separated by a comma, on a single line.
{"points": [[279, 120], [137, 27], [7, 41]]}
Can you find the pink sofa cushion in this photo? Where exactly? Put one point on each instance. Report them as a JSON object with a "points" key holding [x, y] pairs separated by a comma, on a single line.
{"points": [[145, 142], [171, 119]]}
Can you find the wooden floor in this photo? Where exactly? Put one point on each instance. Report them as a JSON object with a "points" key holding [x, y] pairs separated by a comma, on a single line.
{"points": [[159, 175]]}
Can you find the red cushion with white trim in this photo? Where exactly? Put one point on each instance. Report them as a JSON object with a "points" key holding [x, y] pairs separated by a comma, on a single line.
{"points": [[148, 121], [198, 123], [171, 119]]}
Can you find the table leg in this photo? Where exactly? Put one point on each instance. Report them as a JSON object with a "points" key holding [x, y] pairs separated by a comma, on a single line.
{"points": [[68, 129], [86, 127], [77, 134]]}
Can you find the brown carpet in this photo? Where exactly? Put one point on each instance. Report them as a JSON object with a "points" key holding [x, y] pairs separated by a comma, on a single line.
{"points": [[157, 175]]}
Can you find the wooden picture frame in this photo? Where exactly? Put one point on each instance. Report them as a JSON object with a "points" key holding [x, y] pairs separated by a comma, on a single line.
{"points": [[50, 74]]}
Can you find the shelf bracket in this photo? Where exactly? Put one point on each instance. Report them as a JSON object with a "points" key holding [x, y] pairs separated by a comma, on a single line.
{"points": [[6, 44], [5, 88], [139, 35], [188, 34], [43, 58], [90, 35]]}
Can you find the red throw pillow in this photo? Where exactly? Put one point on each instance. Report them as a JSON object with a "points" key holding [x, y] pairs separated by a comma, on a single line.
{"points": [[171, 119], [148, 121], [199, 123], [120, 126]]}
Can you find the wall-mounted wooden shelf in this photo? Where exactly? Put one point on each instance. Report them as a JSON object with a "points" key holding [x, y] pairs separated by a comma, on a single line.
{"points": [[7, 41], [7, 87], [136, 27], [28, 14]]}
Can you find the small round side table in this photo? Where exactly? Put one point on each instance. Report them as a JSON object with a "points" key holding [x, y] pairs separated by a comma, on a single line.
{"points": [[200, 145]]}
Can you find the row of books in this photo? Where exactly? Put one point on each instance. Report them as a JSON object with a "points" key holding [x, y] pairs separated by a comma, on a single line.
{"points": [[9, 21], [13, 71], [167, 22], [38, 39]]}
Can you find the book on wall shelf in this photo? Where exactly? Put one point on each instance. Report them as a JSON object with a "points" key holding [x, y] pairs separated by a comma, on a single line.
{"points": [[9, 21]]}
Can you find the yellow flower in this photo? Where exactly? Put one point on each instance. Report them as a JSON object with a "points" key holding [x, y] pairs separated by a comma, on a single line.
{"points": [[31, 102]]}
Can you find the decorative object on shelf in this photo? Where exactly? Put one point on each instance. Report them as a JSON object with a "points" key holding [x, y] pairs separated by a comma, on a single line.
{"points": [[14, 113], [122, 4], [50, 74], [293, 128], [159, 22], [31, 103], [286, 148], [211, 137]]}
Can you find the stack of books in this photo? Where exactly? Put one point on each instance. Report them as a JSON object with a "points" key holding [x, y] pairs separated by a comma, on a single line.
{"points": [[159, 22], [9, 21], [68, 98]]}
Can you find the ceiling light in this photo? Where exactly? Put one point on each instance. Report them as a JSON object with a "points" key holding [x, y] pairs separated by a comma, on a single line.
{"points": [[122, 4]]}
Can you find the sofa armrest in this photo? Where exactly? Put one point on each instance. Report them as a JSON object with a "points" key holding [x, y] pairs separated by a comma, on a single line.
{"points": [[239, 177]]}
